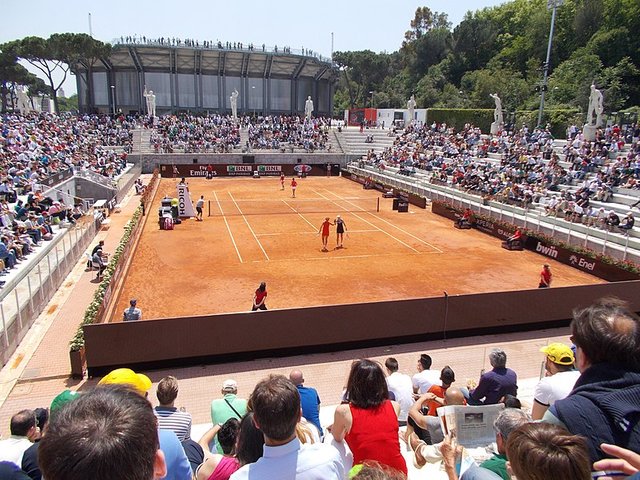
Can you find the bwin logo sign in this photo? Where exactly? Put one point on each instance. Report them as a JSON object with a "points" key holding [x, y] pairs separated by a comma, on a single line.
{"points": [[548, 251]]}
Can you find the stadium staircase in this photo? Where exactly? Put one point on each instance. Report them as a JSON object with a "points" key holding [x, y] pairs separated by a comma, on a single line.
{"points": [[142, 142], [244, 138], [353, 142]]}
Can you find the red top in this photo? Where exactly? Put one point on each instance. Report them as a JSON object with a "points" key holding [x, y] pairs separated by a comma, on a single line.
{"points": [[517, 235], [439, 391], [260, 295], [325, 227], [374, 436], [546, 275], [294, 183]]}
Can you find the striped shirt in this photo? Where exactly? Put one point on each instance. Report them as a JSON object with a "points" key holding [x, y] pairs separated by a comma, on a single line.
{"points": [[170, 418]]}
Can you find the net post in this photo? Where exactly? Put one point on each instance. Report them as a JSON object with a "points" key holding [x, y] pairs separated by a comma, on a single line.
{"points": [[378, 204], [209, 203]]}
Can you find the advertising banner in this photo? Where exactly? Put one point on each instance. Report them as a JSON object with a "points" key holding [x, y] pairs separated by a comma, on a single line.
{"points": [[594, 266]]}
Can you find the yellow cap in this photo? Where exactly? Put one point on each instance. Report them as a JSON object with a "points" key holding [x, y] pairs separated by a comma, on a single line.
{"points": [[125, 376]]}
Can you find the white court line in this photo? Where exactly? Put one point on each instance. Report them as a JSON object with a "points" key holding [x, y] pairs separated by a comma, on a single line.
{"points": [[308, 233], [300, 215], [250, 229], [388, 223], [224, 217], [374, 226]]}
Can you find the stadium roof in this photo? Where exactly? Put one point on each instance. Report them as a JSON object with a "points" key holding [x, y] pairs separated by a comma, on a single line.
{"points": [[218, 61]]}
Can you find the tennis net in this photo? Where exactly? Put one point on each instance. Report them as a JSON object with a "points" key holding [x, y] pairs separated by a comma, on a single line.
{"points": [[292, 206]]}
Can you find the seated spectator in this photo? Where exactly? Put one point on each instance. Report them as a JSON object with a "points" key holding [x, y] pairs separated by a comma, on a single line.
{"points": [[222, 464], [515, 239], [247, 449], [560, 377], [276, 409], [604, 405], [176, 461], [30, 456], [627, 223], [402, 388], [427, 427], [23, 431], [425, 378], [612, 221], [309, 400], [169, 417], [229, 406], [109, 432], [7, 255], [539, 450], [508, 420], [496, 383], [369, 408], [97, 261]]}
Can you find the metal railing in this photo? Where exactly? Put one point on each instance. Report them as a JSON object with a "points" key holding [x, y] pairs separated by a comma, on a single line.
{"points": [[614, 244], [22, 299]]}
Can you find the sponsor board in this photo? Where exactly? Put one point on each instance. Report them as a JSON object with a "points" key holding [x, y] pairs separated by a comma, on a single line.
{"points": [[594, 266], [303, 168], [185, 207], [270, 170], [236, 170]]}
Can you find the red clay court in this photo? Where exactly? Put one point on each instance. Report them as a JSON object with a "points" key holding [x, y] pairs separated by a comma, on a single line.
{"points": [[253, 231]]}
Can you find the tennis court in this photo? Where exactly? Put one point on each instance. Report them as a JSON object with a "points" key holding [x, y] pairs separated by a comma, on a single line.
{"points": [[253, 231]]}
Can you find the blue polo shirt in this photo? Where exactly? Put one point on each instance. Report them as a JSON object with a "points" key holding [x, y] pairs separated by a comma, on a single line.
{"points": [[310, 402]]}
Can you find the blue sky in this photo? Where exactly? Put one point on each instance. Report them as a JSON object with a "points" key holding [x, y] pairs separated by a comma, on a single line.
{"points": [[356, 24]]}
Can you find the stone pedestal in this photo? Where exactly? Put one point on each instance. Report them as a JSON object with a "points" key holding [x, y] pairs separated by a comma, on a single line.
{"points": [[589, 132], [495, 128]]}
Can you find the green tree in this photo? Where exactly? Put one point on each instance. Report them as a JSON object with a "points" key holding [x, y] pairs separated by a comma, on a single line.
{"points": [[54, 56], [11, 75]]}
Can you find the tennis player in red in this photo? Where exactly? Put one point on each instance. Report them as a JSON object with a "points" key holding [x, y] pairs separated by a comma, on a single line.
{"points": [[294, 184], [282, 181], [324, 230]]}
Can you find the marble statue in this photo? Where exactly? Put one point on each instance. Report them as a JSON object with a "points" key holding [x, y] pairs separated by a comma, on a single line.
{"points": [[595, 107], [498, 120], [411, 106], [308, 107], [151, 102], [234, 103], [24, 104]]}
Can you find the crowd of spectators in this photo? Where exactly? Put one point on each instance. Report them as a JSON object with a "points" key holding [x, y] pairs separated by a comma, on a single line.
{"points": [[210, 44], [586, 411], [524, 169], [195, 134], [285, 133], [38, 145]]}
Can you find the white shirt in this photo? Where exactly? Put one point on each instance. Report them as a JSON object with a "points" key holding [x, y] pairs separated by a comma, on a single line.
{"points": [[402, 388], [424, 379], [556, 387], [12, 449], [295, 461]]}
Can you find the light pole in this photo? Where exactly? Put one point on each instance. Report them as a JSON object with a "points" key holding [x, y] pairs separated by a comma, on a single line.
{"points": [[253, 99], [371, 102], [113, 99], [553, 6]]}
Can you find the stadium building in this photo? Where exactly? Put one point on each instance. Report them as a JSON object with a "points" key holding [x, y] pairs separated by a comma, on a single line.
{"points": [[198, 79]]}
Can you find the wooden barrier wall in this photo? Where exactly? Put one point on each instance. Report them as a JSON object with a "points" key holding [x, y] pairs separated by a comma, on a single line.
{"points": [[192, 340]]}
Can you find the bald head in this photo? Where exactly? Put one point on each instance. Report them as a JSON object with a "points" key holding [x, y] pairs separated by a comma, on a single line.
{"points": [[453, 396], [296, 377]]}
